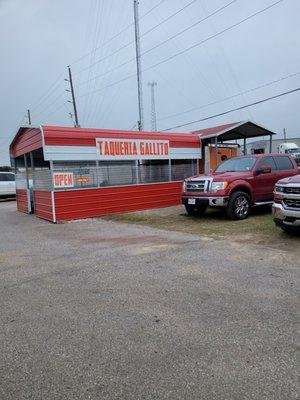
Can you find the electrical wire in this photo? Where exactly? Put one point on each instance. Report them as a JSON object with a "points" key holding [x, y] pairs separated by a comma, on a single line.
{"points": [[49, 92], [232, 110], [117, 34], [207, 39], [34, 116], [55, 110], [156, 46], [110, 85], [100, 101], [193, 46], [229, 97]]}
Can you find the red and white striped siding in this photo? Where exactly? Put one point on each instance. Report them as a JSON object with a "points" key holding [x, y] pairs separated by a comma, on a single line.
{"points": [[70, 144]]}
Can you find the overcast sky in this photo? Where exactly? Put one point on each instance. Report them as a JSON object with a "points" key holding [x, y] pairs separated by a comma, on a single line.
{"points": [[39, 38]]}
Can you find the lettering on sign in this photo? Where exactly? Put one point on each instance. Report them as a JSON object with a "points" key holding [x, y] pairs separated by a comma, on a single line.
{"points": [[63, 179], [132, 149], [82, 180]]}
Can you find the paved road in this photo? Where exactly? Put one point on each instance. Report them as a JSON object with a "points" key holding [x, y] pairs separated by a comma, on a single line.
{"points": [[101, 310]]}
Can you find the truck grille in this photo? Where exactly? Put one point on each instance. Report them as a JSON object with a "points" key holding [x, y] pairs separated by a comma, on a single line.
{"points": [[292, 190], [292, 203], [196, 186]]}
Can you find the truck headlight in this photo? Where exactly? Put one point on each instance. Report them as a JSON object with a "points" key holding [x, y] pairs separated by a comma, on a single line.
{"points": [[279, 189], [216, 186], [184, 186]]}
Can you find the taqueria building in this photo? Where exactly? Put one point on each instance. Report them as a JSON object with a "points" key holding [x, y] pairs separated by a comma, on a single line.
{"points": [[65, 173]]}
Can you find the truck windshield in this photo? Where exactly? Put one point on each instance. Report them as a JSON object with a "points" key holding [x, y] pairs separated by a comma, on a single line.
{"points": [[295, 150], [237, 165]]}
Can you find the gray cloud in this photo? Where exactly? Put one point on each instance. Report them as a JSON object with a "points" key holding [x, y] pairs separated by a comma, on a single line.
{"points": [[40, 38]]}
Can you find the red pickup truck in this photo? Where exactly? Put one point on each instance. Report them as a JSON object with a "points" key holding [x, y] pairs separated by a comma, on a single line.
{"points": [[237, 184]]}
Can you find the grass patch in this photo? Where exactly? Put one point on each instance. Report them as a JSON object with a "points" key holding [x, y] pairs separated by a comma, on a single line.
{"points": [[259, 228]]}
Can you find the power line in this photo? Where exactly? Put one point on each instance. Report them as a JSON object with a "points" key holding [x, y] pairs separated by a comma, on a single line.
{"points": [[110, 85], [232, 110], [46, 108], [55, 110], [209, 38], [229, 97], [131, 42], [117, 34], [192, 26], [191, 47], [47, 94]]}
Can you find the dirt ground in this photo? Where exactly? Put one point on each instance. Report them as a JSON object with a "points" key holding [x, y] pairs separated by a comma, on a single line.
{"points": [[99, 309], [258, 229]]}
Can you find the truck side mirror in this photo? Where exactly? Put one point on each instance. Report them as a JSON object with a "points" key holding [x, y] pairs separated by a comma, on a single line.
{"points": [[264, 169]]}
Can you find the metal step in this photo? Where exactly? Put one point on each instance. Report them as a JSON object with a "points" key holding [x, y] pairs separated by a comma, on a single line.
{"points": [[263, 203]]}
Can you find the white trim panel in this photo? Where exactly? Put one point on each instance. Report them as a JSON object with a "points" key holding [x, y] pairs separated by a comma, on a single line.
{"points": [[89, 153]]}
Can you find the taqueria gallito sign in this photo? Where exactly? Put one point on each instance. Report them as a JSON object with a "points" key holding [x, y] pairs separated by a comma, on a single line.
{"points": [[132, 149]]}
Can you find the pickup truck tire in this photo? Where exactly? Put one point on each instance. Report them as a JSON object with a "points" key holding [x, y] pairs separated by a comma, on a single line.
{"points": [[195, 210], [238, 206]]}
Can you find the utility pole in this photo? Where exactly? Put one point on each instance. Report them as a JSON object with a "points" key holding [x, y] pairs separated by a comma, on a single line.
{"points": [[284, 135], [29, 117], [73, 97], [153, 110], [138, 64]]}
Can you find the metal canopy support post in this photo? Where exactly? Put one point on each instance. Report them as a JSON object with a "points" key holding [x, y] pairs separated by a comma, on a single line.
{"points": [[32, 166], [27, 185], [137, 172], [97, 173], [51, 170], [270, 144], [245, 148], [216, 150], [26, 169]]}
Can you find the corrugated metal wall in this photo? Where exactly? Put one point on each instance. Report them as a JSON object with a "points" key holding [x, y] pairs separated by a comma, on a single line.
{"points": [[77, 204], [43, 204], [29, 139], [22, 200]]}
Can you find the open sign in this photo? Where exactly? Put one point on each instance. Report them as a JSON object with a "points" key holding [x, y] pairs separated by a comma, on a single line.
{"points": [[63, 179]]}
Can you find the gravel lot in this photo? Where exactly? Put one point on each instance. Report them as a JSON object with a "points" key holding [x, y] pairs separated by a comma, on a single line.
{"points": [[97, 309]]}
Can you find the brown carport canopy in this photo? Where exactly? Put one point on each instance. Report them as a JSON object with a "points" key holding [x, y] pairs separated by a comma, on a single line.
{"points": [[234, 131]]}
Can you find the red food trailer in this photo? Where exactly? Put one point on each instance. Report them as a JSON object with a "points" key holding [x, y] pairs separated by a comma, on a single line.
{"points": [[67, 173]]}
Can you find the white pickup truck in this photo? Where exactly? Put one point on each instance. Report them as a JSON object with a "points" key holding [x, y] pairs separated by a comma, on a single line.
{"points": [[7, 184], [286, 206]]}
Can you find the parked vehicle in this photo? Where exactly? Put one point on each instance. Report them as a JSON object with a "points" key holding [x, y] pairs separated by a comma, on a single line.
{"points": [[237, 184], [7, 184], [292, 149], [286, 207]]}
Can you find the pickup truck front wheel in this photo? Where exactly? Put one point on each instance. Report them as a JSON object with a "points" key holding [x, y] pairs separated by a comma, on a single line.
{"points": [[238, 206], [195, 210]]}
